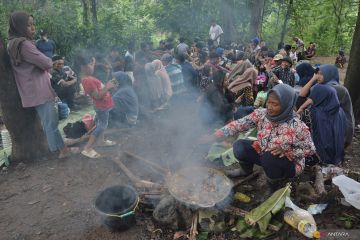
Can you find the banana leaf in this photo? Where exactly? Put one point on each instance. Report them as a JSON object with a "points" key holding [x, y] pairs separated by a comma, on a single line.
{"points": [[4, 159], [247, 231], [221, 151], [262, 214]]}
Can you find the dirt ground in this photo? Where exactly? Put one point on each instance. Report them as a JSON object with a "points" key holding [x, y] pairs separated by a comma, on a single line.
{"points": [[54, 199]]}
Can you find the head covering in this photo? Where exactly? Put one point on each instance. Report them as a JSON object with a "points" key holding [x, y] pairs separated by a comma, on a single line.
{"points": [[17, 34], [330, 73], [287, 59], [305, 72], [219, 51], [287, 98], [247, 79], [43, 32], [122, 78], [158, 64], [328, 124], [239, 69], [166, 58], [255, 40], [18, 23], [278, 57]]}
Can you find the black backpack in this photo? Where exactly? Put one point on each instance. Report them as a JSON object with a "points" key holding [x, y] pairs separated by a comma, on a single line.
{"points": [[74, 130]]}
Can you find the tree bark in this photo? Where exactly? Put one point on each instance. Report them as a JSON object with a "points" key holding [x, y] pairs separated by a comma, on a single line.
{"points": [[228, 21], [86, 12], [94, 11], [352, 82], [27, 136], [256, 16], [287, 17], [338, 13]]}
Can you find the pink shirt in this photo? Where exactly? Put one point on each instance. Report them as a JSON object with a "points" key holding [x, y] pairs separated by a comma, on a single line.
{"points": [[32, 76]]}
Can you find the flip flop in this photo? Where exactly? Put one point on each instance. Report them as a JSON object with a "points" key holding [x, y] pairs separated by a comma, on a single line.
{"points": [[107, 143], [90, 154]]}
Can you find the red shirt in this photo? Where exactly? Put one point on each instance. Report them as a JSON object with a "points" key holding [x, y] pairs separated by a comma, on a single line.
{"points": [[91, 84]]}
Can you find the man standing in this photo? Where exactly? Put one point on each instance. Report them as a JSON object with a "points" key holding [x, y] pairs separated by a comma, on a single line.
{"points": [[45, 45], [63, 84], [215, 32], [182, 48]]}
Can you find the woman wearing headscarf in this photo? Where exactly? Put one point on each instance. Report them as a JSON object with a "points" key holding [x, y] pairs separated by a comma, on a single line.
{"points": [[305, 72], [160, 90], [283, 140], [328, 123], [241, 82], [31, 71], [126, 106], [329, 75]]}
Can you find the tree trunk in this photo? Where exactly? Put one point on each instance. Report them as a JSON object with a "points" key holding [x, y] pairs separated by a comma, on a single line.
{"points": [[256, 15], [27, 136], [94, 11], [287, 17], [86, 12], [228, 21], [352, 82], [338, 14]]}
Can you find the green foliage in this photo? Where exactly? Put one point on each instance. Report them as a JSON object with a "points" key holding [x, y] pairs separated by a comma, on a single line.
{"points": [[263, 214], [329, 23]]}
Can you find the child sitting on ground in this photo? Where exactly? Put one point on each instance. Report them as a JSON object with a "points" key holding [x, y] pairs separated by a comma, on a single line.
{"points": [[340, 59]]}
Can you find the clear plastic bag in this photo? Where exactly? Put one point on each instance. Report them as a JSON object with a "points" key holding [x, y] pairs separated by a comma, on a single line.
{"points": [[349, 188]]}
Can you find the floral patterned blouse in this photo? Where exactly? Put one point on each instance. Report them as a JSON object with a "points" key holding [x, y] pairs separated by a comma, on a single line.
{"points": [[292, 136]]}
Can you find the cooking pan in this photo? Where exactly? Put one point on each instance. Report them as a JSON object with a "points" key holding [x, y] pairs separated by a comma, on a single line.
{"points": [[200, 187]]}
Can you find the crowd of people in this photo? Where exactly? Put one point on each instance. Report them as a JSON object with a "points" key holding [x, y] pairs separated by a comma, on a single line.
{"points": [[302, 113]]}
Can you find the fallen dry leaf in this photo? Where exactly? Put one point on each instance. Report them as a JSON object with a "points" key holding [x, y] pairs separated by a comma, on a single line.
{"points": [[179, 234]]}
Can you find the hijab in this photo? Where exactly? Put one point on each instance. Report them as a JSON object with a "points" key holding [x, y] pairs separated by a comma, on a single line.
{"points": [[287, 98], [17, 34], [305, 72], [122, 78], [239, 69], [328, 124], [330, 73], [247, 79]]}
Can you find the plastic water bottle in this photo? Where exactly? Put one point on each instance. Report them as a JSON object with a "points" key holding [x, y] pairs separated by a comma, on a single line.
{"points": [[6, 140], [301, 220]]}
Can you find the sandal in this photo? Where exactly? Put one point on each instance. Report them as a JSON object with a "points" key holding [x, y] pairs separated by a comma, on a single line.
{"points": [[107, 143], [90, 153]]}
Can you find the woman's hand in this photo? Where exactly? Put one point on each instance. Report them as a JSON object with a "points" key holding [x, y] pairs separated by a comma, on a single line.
{"points": [[278, 151], [300, 111]]}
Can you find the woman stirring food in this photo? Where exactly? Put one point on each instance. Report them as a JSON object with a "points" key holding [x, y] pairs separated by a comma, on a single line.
{"points": [[283, 140]]}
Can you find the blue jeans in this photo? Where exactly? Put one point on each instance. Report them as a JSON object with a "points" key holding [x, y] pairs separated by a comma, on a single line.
{"points": [[49, 120], [274, 166], [101, 120]]}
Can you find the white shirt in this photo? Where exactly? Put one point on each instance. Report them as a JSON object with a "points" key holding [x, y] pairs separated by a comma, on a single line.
{"points": [[215, 32]]}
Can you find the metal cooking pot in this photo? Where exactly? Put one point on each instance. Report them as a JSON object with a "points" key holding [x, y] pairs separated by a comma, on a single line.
{"points": [[200, 187]]}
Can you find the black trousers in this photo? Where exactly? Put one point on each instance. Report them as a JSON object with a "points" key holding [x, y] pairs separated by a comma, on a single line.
{"points": [[274, 166]]}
